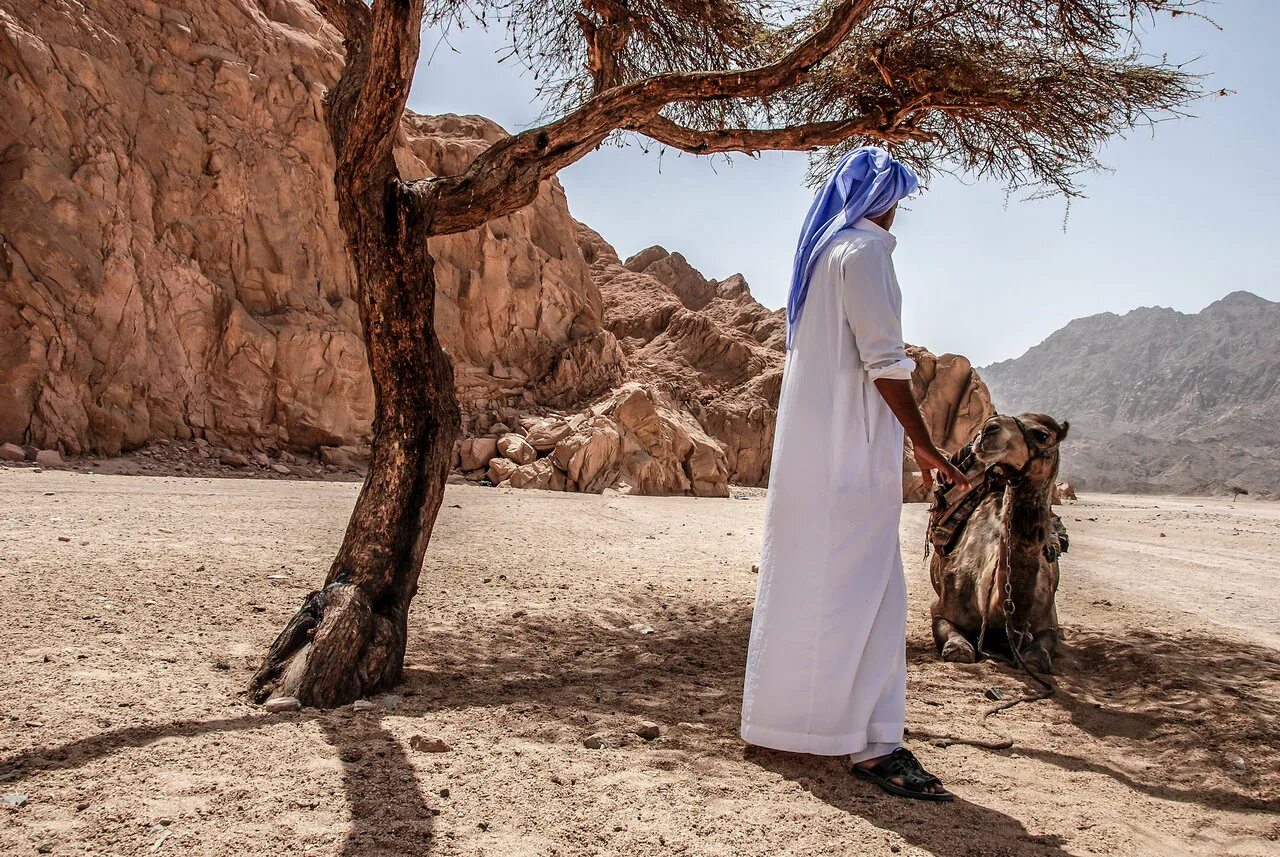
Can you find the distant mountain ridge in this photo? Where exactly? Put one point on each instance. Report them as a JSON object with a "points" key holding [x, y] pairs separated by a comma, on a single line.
{"points": [[1160, 400]]}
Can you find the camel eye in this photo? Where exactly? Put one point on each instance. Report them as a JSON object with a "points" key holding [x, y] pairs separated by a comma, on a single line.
{"points": [[1040, 436], [991, 429]]}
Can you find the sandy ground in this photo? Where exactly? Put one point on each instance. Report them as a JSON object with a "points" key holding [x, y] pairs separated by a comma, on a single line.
{"points": [[135, 609]]}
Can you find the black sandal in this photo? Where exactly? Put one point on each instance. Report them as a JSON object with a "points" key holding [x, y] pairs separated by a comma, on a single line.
{"points": [[915, 779]]}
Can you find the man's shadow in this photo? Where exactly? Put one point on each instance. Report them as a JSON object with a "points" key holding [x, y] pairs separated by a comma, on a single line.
{"points": [[930, 825]]}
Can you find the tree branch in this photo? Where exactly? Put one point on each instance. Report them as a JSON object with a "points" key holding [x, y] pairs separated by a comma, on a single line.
{"points": [[505, 177], [366, 104], [349, 17], [795, 138]]}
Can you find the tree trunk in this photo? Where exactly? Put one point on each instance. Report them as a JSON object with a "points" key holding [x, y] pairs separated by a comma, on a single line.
{"points": [[348, 639]]}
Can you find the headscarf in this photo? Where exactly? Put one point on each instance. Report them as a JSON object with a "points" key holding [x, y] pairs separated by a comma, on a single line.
{"points": [[866, 183]]}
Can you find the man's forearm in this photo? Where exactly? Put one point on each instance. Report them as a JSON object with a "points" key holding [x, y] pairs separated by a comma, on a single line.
{"points": [[897, 394]]}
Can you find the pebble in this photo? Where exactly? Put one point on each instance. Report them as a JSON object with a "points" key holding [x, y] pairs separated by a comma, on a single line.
{"points": [[993, 693], [595, 742], [444, 792], [648, 730], [282, 703], [389, 702], [14, 799], [430, 744], [641, 628], [362, 705]]}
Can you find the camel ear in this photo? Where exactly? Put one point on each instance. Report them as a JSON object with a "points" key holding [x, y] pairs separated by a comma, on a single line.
{"points": [[1062, 435]]}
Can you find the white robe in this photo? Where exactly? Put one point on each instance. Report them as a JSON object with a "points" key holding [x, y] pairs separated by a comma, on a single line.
{"points": [[826, 667]]}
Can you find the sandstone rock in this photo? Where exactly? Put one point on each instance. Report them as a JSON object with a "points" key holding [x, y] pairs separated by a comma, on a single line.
{"points": [[500, 470], [538, 474], [544, 434], [233, 459], [173, 263], [279, 704], [282, 469], [590, 458], [475, 452], [648, 730], [1063, 491], [49, 458], [429, 744], [12, 452], [516, 448], [336, 456]]}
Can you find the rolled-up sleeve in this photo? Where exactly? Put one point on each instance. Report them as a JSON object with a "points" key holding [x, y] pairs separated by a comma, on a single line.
{"points": [[867, 294]]}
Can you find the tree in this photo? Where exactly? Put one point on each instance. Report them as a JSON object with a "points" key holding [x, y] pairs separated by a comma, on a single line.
{"points": [[1022, 90], [1236, 491]]}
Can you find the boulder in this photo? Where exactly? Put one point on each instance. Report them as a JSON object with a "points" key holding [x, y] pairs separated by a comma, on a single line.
{"points": [[516, 448], [500, 470], [12, 452], [1063, 491], [475, 452], [49, 458], [589, 458], [336, 456], [544, 434], [539, 474]]}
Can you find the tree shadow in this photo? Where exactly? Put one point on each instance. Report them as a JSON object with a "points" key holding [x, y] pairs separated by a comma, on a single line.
{"points": [[1181, 703], [389, 814]]}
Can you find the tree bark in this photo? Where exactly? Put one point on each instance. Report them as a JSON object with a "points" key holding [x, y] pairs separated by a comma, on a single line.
{"points": [[348, 639]]}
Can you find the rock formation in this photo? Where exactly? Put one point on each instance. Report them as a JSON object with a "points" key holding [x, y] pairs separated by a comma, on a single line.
{"points": [[171, 262], [171, 267]]}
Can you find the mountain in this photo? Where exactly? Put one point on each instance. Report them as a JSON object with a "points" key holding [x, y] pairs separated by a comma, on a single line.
{"points": [[1159, 400]]}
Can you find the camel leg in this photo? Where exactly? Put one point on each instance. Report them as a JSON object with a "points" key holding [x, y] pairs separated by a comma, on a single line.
{"points": [[1038, 654], [951, 643]]}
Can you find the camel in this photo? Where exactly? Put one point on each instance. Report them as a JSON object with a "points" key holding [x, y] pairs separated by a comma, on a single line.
{"points": [[997, 574]]}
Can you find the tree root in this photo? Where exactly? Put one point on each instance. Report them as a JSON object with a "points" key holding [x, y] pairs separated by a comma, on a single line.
{"points": [[334, 650]]}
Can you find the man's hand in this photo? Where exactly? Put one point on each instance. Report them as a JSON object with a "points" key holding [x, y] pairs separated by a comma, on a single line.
{"points": [[898, 396], [929, 458]]}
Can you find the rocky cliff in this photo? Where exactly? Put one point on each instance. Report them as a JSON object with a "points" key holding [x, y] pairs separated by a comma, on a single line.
{"points": [[1159, 400], [171, 267], [171, 261]]}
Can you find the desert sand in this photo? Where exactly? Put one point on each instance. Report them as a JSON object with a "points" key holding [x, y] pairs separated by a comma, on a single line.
{"points": [[136, 608]]}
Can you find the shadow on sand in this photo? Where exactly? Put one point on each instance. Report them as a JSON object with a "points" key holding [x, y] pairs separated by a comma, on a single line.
{"points": [[1184, 702]]}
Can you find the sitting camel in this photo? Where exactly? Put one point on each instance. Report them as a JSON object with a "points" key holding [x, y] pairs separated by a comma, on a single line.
{"points": [[997, 573]]}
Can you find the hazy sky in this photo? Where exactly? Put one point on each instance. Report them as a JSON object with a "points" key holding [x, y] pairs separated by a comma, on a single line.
{"points": [[1187, 213]]}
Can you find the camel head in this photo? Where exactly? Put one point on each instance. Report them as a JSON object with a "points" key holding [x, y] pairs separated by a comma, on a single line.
{"points": [[1001, 440]]}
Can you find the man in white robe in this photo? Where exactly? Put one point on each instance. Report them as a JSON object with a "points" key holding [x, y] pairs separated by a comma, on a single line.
{"points": [[826, 668]]}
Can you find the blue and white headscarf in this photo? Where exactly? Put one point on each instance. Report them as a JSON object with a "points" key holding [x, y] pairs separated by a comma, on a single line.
{"points": [[866, 183]]}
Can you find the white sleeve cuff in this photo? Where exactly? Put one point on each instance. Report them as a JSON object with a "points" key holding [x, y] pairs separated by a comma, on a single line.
{"points": [[898, 370]]}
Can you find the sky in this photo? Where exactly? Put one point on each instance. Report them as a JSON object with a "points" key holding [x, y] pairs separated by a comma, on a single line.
{"points": [[1184, 214]]}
